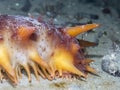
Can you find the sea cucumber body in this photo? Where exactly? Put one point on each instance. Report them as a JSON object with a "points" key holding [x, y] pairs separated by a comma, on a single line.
{"points": [[17, 47], [26, 43]]}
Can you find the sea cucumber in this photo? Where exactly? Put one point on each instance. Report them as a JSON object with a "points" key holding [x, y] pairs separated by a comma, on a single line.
{"points": [[32, 45]]}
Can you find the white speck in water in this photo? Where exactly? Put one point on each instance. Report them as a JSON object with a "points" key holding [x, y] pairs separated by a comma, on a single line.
{"points": [[17, 4]]}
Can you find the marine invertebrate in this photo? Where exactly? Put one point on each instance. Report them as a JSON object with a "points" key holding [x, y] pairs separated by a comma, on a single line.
{"points": [[26, 43]]}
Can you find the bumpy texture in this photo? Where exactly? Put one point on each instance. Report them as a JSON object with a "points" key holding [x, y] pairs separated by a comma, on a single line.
{"points": [[34, 46]]}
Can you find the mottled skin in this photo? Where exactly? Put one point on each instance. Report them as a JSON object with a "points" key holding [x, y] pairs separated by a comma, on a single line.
{"points": [[47, 50]]}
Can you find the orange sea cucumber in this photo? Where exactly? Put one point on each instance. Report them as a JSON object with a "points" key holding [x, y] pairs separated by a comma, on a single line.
{"points": [[26, 43]]}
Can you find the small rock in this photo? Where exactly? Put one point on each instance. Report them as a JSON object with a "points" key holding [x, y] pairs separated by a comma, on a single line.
{"points": [[106, 10], [26, 6], [111, 62], [94, 16]]}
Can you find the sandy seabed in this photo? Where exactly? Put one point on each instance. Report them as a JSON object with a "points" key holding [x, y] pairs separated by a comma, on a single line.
{"points": [[68, 13]]}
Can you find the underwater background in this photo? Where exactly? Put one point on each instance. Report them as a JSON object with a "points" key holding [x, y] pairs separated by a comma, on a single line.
{"points": [[70, 13]]}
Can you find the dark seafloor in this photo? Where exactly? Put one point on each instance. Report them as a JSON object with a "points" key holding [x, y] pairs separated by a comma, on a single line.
{"points": [[70, 13]]}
